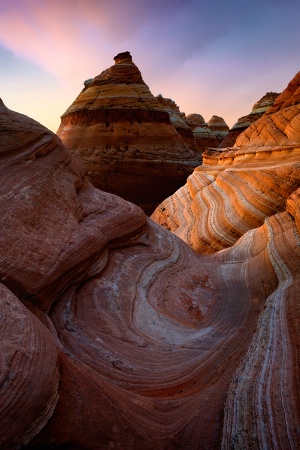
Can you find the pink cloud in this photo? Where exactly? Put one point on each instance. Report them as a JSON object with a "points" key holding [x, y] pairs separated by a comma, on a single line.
{"points": [[50, 34], [209, 58], [72, 37]]}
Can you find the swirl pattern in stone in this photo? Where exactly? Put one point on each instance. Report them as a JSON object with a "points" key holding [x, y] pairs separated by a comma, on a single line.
{"points": [[153, 344]]}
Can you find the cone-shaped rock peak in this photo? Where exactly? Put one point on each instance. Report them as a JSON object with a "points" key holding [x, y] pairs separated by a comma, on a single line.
{"points": [[124, 137]]}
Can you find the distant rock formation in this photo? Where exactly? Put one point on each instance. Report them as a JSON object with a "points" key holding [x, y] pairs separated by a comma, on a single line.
{"points": [[114, 333], [259, 108], [236, 189], [178, 120], [219, 127], [204, 137], [124, 137], [197, 134]]}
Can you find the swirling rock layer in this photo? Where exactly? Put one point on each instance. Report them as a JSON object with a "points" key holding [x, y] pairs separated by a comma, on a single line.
{"points": [[153, 345], [124, 137], [28, 373], [237, 188], [262, 407], [259, 108]]}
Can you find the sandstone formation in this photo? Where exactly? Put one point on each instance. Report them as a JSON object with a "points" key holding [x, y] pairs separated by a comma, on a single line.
{"points": [[236, 189], [244, 122], [219, 127], [204, 137], [197, 134], [124, 137], [179, 122], [116, 334], [28, 372]]}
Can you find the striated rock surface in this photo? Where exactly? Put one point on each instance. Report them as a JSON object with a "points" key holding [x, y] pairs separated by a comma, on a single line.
{"points": [[280, 124], [244, 122], [29, 374], [124, 137], [116, 334], [236, 189]]}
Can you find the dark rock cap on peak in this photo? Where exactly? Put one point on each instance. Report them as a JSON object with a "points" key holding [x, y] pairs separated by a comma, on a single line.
{"points": [[123, 58]]}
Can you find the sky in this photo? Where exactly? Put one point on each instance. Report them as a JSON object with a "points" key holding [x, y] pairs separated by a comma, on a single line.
{"points": [[212, 57]]}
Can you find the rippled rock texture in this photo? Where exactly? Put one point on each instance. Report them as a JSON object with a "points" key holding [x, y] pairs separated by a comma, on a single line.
{"points": [[124, 137], [258, 110], [116, 334]]}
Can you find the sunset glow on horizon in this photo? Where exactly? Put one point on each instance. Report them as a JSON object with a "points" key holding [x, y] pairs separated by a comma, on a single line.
{"points": [[216, 57]]}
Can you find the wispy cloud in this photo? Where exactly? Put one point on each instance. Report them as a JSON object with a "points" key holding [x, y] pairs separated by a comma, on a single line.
{"points": [[211, 57]]}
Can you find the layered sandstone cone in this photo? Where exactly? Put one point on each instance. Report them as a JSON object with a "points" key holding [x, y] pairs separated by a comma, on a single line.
{"points": [[204, 137], [124, 137], [258, 110], [219, 127], [115, 334]]}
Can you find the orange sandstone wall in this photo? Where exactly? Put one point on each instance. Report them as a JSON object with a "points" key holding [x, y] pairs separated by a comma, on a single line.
{"points": [[236, 189]]}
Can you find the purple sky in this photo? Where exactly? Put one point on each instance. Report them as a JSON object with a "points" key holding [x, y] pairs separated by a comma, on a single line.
{"points": [[210, 56]]}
